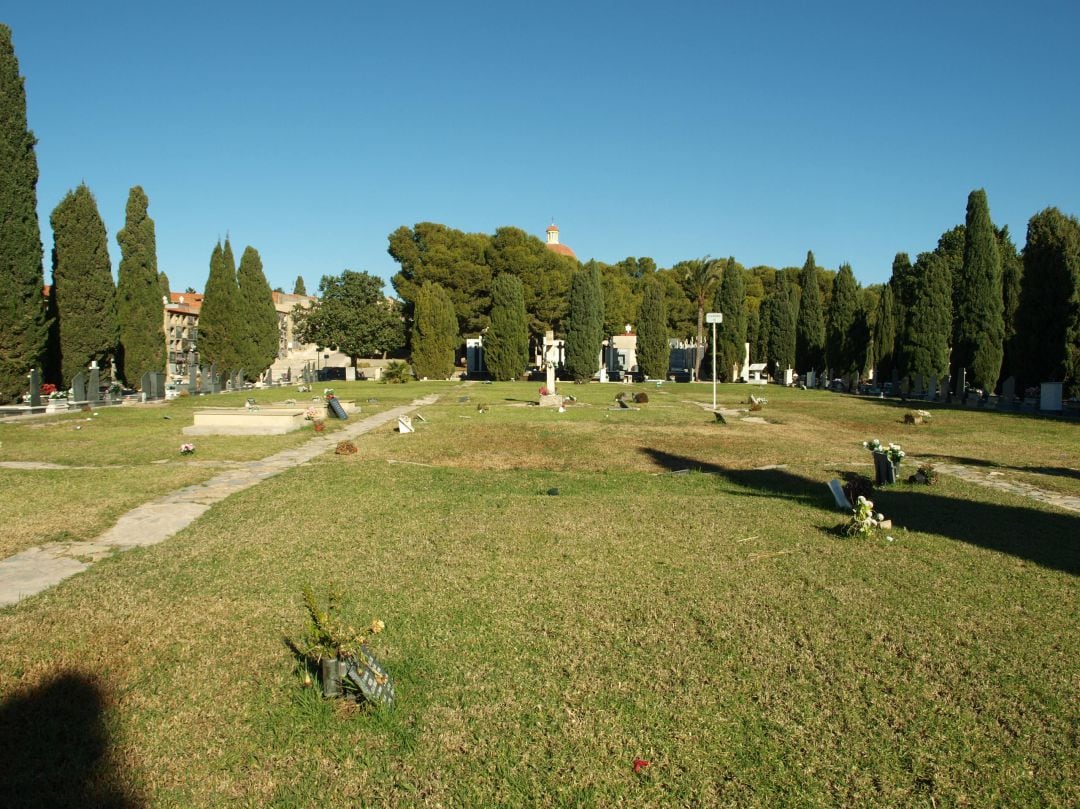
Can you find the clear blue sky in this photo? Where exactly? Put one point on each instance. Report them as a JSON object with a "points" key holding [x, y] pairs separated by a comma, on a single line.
{"points": [[753, 129]]}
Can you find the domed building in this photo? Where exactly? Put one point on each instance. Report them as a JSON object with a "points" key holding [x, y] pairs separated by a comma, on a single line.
{"points": [[553, 242]]}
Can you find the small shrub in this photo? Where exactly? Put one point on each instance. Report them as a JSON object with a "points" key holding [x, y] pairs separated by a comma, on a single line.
{"points": [[925, 474], [345, 448], [641, 398], [395, 373]]}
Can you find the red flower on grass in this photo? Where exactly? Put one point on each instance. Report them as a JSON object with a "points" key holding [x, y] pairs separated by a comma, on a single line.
{"points": [[639, 765]]}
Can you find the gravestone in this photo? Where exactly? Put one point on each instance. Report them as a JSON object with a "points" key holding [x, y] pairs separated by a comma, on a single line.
{"points": [[404, 424], [920, 387], [35, 387], [269, 377], [78, 387], [147, 385], [1050, 397], [811, 379], [789, 377], [961, 385], [193, 381], [238, 380], [853, 383], [943, 388], [550, 381], [334, 406], [931, 391], [839, 495], [1008, 393], [93, 389]]}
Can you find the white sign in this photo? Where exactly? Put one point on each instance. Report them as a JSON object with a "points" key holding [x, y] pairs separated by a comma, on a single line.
{"points": [[714, 317]]}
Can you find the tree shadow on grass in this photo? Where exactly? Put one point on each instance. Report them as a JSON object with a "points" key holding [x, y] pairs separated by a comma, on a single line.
{"points": [[55, 748], [1046, 538]]}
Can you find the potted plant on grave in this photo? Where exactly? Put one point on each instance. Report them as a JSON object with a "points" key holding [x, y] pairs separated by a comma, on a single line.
{"points": [[337, 648], [886, 461], [57, 402]]}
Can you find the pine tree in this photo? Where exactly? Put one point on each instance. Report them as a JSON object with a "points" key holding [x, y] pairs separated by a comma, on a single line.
{"points": [[843, 308], [259, 318], [584, 325], [810, 327], [218, 330], [434, 332], [138, 294], [298, 287], [653, 351], [885, 335], [82, 284], [23, 324], [1048, 314], [979, 327], [731, 335], [506, 342]]}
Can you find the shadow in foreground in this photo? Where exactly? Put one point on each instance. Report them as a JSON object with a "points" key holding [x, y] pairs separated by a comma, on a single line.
{"points": [[1046, 538], [54, 748]]}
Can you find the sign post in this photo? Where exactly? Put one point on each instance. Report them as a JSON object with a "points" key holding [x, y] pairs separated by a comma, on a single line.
{"points": [[714, 318]]}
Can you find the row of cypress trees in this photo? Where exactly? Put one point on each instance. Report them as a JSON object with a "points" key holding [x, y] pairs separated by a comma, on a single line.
{"points": [[238, 324], [86, 317]]}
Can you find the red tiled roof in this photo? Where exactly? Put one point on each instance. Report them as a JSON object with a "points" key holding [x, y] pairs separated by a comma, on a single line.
{"points": [[561, 249]]}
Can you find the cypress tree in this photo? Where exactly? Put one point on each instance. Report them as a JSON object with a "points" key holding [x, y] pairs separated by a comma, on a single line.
{"points": [[23, 324], [979, 327], [82, 284], [885, 334], [506, 342], [298, 287], [1048, 314], [652, 333], [780, 325], [1012, 272], [434, 333], [584, 325], [259, 320], [163, 286], [843, 309], [218, 333], [928, 318], [810, 327], [731, 335], [757, 336], [138, 294]]}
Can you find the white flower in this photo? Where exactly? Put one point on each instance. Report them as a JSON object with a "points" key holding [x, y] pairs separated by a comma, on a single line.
{"points": [[879, 517], [890, 539]]}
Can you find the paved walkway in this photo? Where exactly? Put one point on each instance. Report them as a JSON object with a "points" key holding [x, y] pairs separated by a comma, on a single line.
{"points": [[37, 569], [995, 480]]}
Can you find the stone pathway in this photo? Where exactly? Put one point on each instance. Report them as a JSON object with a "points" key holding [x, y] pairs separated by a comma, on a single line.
{"points": [[995, 480], [37, 569]]}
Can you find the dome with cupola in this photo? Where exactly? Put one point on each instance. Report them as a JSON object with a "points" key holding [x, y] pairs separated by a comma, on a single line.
{"points": [[553, 242]]}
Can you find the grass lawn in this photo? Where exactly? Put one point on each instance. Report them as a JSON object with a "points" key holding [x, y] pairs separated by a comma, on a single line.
{"points": [[562, 598]]}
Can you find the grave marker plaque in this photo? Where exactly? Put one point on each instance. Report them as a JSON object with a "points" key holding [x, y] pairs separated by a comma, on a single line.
{"points": [[404, 424], [335, 407], [368, 675]]}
